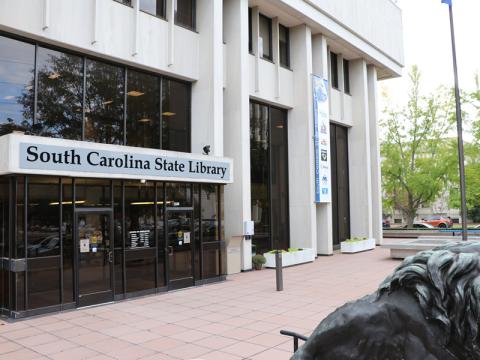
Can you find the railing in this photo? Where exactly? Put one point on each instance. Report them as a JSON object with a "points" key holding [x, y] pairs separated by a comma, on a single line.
{"points": [[295, 337]]}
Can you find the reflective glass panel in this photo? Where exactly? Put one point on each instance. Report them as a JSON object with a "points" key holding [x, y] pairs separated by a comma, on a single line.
{"points": [[67, 239], [139, 214], [20, 218], [161, 235], [209, 213], [185, 13], [259, 172], [104, 103], [279, 179], [143, 110], [154, 7], [43, 229], [60, 95], [265, 37], [93, 193], [16, 85], [179, 195], [284, 45], [175, 116]]}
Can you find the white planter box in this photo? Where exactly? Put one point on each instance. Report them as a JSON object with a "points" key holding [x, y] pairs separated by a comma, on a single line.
{"points": [[357, 246], [291, 258]]}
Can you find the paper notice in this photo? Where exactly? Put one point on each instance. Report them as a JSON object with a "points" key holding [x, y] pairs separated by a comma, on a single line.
{"points": [[186, 237], [84, 245]]}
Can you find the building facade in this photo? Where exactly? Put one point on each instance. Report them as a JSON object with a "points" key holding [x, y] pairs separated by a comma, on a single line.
{"points": [[143, 140]]}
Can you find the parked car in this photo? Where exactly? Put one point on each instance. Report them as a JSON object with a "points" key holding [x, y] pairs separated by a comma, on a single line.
{"points": [[438, 221], [386, 224], [420, 225]]}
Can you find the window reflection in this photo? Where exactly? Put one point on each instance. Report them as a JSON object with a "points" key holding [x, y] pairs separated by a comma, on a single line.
{"points": [[104, 103], [60, 95], [185, 13], [143, 110], [93, 193], [16, 85], [154, 7], [209, 213], [139, 214], [265, 37], [175, 116], [43, 216], [179, 195]]}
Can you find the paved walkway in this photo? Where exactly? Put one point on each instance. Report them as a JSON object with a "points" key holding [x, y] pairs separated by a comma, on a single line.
{"points": [[237, 319]]}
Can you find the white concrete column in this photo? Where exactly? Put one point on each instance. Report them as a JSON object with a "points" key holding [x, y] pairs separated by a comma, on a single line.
{"points": [[256, 44], [46, 14], [359, 153], [303, 229], [207, 92], [324, 210], [375, 169], [95, 19], [237, 126], [136, 13]]}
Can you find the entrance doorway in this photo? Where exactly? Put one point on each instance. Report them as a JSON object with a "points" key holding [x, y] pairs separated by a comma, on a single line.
{"points": [[180, 247], [94, 252], [340, 184]]}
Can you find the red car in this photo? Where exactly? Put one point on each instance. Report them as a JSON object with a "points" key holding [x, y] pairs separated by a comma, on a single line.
{"points": [[438, 221]]}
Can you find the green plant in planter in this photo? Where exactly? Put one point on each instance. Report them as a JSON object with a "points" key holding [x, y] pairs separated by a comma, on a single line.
{"points": [[258, 261]]}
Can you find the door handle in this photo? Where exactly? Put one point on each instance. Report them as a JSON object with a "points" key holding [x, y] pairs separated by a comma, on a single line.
{"points": [[170, 250], [110, 257]]}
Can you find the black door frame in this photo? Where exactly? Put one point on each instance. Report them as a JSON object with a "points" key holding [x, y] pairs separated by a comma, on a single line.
{"points": [[102, 298], [186, 282]]}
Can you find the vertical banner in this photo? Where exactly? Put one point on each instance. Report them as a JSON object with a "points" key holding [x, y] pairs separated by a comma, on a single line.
{"points": [[321, 138]]}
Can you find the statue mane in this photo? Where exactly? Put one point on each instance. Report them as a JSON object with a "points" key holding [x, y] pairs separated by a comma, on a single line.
{"points": [[446, 283]]}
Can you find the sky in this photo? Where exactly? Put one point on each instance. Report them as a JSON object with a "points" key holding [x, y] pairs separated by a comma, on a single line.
{"points": [[427, 43]]}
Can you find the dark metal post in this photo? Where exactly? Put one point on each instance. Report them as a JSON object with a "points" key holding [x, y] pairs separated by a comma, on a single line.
{"points": [[278, 269], [461, 163]]}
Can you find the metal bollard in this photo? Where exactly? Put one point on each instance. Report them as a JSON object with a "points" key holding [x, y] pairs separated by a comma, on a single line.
{"points": [[278, 270]]}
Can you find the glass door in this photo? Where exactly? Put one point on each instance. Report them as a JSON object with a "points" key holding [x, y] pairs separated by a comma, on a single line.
{"points": [[95, 257], [180, 245]]}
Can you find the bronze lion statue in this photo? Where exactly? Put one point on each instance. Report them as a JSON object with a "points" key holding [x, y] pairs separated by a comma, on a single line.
{"points": [[428, 309]]}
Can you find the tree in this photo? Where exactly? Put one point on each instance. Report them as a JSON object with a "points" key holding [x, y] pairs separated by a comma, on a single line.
{"points": [[471, 102], [418, 158]]}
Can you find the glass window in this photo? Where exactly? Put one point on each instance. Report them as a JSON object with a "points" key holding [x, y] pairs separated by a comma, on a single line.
{"points": [[104, 103], [93, 193], [118, 235], [125, 2], [16, 85], [346, 76], [4, 214], [143, 110], [140, 239], [269, 177], [20, 218], [179, 195], [259, 168], [209, 212], [139, 215], [185, 13], [43, 226], [154, 7], [43, 240], [284, 45], [161, 235], [175, 116], [279, 178], [250, 31], [334, 70], [60, 95], [67, 239], [265, 37]]}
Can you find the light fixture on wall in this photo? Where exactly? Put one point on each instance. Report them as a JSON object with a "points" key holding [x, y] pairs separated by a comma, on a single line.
{"points": [[206, 149], [168, 113]]}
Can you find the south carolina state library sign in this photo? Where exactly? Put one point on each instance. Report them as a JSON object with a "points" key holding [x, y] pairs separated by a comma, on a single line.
{"points": [[48, 156]]}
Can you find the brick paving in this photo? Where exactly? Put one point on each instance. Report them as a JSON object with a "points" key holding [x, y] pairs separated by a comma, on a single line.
{"points": [[237, 319]]}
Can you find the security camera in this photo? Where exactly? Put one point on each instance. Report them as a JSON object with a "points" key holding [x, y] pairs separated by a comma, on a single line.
{"points": [[206, 149]]}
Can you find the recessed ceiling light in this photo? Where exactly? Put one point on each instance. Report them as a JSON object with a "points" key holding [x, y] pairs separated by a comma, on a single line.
{"points": [[135, 93], [108, 102], [279, 126], [9, 97], [54, 75], [168, 113], [144, 120]]}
